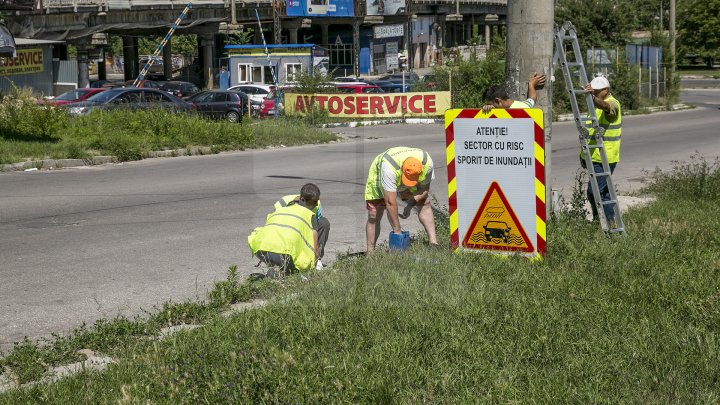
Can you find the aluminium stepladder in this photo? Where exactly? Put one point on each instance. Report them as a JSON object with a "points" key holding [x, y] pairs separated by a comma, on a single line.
{"points": [[586, 121]]}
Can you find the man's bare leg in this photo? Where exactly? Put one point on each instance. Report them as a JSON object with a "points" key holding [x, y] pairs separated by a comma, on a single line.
{"points": [[372, 228], [426, 218]]}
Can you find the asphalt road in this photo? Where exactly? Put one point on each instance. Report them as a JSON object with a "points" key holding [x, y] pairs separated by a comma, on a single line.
{"points": [[88, 243]]}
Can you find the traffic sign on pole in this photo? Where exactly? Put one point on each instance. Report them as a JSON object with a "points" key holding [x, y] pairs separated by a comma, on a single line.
{"points": [[496, 180]]}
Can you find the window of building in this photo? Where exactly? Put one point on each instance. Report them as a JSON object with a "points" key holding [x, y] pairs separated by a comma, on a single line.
{"points": [[292, 72]]}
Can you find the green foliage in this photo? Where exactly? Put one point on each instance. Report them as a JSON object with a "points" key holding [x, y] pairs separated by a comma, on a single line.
{"points": [[698, 22], [314, 83], [132, 135], [600, 320], [471, 76], [23, 119], [241, 38], [698, 179], [598, 23]]}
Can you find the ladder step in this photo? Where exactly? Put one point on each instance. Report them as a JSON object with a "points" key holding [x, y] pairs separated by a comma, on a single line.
{"points": [[579, 91], [608, 202], [596, 146], [574, 63], [616, 230], [600, 174]]}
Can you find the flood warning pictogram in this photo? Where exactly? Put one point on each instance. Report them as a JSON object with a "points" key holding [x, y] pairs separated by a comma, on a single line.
{"points": [[495, 225]]}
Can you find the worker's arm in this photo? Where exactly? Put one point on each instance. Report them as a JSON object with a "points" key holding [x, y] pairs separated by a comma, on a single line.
{"points": [[536, 80], [392, 210], [423, 190], [608, 108], [316, 244]]}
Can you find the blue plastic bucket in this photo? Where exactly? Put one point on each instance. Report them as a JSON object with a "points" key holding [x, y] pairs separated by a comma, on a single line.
{"points": [[399, 242]]}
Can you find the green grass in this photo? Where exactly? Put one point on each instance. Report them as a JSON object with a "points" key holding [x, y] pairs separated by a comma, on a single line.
{"points": [[30, 132], [600, 320]]}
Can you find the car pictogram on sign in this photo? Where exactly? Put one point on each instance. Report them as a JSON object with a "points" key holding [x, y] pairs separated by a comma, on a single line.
{"points": [[496, 230]]}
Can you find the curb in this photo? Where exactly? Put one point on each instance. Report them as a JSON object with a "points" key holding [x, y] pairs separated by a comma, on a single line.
{"points": [[674, 107], [52, 164]]}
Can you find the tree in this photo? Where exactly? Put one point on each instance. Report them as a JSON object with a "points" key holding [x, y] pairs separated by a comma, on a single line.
{"points": [[698, 23], [598, 23]]}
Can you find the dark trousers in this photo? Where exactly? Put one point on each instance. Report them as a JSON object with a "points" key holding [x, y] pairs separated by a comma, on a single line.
{"points": [[604, 193], [284, 262], [323, 235]]}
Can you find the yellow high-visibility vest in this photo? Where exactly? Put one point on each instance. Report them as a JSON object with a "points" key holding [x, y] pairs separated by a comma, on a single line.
{"points": [[287, 231], [284, 201], [613, 134], [395, 156]]}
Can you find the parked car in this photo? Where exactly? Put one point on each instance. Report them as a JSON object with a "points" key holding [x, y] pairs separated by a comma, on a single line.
{"points": [[73, 96], [221, 104], [130, 97], [106, 84], [338, 81], [147, 84], [355, 88], [392, 87], [180, 89], [268, 106], [398, 77], [256, 92]]}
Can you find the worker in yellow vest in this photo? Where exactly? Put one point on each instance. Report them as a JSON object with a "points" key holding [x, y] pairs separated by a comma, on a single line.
{"points": [[497, 97], [323, 223], [289, 239], [609, 115], [400, 171]]}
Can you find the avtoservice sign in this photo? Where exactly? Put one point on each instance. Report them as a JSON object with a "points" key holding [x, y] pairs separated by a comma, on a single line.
{"points": [[370, 105], [26, 61]]}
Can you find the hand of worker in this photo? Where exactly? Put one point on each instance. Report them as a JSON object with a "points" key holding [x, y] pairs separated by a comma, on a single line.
{"points": [[588, 88], [486, 108], [537, 81]]}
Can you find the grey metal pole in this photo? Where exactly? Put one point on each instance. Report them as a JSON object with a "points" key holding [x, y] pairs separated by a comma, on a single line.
{"points": [[529, 48]]}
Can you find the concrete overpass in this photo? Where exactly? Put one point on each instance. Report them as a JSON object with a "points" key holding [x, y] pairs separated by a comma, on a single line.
{"points": [[79, 21]]}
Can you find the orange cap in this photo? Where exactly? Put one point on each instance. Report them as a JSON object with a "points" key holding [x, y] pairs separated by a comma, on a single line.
{"points": [[411, 169]]}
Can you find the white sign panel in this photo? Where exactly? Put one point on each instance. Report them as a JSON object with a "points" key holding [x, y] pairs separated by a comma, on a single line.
{"points": [[495, 184], [388, 31]]}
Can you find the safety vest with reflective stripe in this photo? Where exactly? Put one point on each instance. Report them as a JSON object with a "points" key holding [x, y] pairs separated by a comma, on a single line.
{"points": [[521, 104], [612, 137], [395, 157], [287, 231], [288, 198]]}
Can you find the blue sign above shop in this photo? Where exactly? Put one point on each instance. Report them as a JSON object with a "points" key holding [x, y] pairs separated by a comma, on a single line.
{"points": [[320, 8]]}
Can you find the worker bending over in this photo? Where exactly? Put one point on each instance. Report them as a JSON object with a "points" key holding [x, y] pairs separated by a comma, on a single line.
{"points": [[289, 238], [402, 171]]}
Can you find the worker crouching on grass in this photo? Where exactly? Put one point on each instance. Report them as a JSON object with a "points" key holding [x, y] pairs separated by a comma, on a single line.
{"points": [[289, 238], [323, 223], [400, 171]]}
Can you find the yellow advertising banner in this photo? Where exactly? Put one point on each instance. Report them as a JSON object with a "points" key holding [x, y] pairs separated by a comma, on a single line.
{"points": [[26, 61], [377, 105]]}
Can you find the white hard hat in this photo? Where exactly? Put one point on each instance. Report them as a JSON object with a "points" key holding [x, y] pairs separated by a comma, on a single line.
{"points": [[599, 83]]}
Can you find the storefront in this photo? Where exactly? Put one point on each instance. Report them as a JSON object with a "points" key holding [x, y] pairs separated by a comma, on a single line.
{"points": [[251, 63], [31, 67], [385, 46]]}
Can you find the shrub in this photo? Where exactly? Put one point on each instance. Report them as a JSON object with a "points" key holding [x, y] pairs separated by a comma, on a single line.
{"points": [[22, 119]]}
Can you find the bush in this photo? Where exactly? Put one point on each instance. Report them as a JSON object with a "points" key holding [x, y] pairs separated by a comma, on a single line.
{"points": [[698, 179], [471, 76], [22, 119]]}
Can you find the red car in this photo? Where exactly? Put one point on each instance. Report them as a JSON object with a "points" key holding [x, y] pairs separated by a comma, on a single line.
{"points": [[358, 88], [73, 96]]}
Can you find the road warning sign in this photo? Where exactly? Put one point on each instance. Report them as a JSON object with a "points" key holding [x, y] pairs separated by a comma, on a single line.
{"points": [[496, 180], [495, 225]]}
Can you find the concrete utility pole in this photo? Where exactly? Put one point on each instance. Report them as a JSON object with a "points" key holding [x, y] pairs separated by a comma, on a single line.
{"points": [[673, 34], [529, 48]]}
